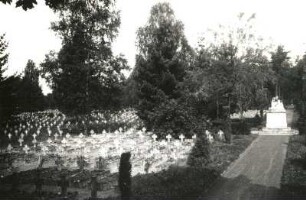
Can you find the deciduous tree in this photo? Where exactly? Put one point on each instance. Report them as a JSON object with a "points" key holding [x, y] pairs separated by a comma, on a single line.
{"points": [[85, 75]]}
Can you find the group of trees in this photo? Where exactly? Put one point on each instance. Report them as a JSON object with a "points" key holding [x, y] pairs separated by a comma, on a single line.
{"points": [[177, 87], [84, 75], [18, 93], [174, 87]]}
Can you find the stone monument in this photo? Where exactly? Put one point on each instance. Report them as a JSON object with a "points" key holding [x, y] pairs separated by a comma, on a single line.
{"points": [[276, 115], [276, 123]]}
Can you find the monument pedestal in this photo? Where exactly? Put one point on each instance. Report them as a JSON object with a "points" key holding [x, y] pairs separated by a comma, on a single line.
{"points": [[276, 123], [276, 119]]}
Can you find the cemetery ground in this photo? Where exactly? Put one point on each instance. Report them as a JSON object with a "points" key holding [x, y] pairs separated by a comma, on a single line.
{"points": [[44, 160]]}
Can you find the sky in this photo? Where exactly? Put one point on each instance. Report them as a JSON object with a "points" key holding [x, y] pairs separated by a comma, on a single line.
{"points": [[281, 22]]}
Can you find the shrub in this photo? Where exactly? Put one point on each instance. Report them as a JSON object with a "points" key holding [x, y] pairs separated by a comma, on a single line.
{"points": [[200, 154], [176, 118], [124, 181], [241, 127]]}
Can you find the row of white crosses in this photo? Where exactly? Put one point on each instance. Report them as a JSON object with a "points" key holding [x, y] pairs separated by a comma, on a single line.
{"points": [[23, 129], [220, 135], [168, 137]]}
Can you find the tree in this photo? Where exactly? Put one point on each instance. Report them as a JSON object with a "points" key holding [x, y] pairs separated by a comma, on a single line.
{"points": [[8, 85], [230, 73], [29, 4], [280, 59], [3, 56], [30, 94], [200, 153], [161, 62], [285, 74], [85, 75]]}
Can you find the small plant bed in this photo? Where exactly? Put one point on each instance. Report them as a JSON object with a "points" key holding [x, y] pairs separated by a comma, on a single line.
{"points": [[293, 181]]}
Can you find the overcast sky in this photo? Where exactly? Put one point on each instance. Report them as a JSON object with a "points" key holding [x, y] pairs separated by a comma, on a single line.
{"points": [[30, 37]]}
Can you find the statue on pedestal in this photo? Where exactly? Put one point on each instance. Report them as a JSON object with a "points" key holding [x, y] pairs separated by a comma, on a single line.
{"points": [[277, 105]]}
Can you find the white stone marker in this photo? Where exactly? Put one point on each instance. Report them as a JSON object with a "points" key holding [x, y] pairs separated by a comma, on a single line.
{"points": [[210, 138], [20, 141], [26, 149], [168, 138], [9, 136], [194, 137], [154, 136], [9, 148], [221, 134], [182, 138]]}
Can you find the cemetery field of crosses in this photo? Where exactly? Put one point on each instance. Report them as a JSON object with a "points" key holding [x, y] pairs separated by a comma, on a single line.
{"points": [[44, 140]]}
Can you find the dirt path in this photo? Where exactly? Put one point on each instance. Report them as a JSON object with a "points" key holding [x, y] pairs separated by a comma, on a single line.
{"points": [[257, 173]]}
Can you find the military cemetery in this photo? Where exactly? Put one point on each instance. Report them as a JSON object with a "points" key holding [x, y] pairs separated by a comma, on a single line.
{"points": [[152, 100]]}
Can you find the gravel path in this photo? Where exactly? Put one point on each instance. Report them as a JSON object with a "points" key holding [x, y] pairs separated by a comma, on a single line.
{"points": [[257, 173]]}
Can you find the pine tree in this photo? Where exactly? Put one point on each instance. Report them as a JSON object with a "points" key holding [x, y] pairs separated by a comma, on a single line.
{"points": [[161, 61], [200, 154], [30, 94]]}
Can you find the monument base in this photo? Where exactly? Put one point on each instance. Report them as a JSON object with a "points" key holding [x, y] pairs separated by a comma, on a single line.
{"points": [[275, 131], [276, 120]]}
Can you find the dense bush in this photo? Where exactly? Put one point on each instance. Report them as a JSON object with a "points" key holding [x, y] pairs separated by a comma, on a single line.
{"points": [[241, 127], [176, 182], [176, 118], [200, 154]]}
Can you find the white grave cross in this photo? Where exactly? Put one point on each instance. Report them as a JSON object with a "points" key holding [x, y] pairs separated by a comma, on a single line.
{"points": [[20, 141], [154, 136], [168, 137], [182, 138], [26, 149]]}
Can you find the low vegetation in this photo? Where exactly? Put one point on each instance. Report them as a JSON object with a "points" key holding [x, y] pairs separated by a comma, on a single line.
{"points": [[293, 181]]}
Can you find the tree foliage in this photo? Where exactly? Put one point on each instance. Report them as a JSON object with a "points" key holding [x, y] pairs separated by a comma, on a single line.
{"points": [[30, 94], [161, 62], [85, 75], [8, 85], [231, 73], [29, 4], [3, 56], [200, 153]]}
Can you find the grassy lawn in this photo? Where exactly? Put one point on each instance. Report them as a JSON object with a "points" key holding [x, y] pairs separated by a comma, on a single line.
{"points": [[293, 181]]}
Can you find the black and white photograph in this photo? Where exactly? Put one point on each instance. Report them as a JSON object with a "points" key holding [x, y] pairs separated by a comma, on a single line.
{"points": [[152, 99]]}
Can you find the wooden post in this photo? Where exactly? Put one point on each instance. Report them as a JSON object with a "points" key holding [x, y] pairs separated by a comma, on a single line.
{"points": [[38, 182], [94, 186], [64, 185]]}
